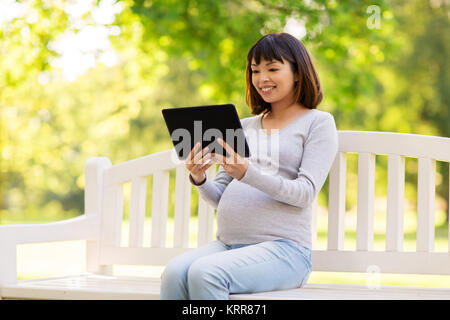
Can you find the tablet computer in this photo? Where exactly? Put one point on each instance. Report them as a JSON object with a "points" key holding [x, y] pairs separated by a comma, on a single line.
{"points": [[189, 125]]}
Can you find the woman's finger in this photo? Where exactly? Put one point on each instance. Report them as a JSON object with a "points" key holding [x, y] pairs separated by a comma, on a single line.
{"points": [[200, 155], [205, 167], [229, 149], [190, 157], [206, 164], [219, 158], [201, 168]]}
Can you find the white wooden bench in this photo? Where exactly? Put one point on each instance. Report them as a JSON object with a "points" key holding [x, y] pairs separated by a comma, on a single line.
{"points": [[101, 226]]}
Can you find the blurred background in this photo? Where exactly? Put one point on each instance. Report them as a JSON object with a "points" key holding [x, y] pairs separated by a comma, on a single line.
{"points": [[84, 78]]}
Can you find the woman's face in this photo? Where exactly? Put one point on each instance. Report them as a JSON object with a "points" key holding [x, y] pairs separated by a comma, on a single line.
{"points": [[274, 81]]}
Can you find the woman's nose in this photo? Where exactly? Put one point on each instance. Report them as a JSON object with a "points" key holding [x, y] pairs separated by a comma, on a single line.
{"points": [[264, 77]]}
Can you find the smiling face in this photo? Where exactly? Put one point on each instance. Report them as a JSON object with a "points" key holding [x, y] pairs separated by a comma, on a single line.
{"points": [[274, 81], [268, 85]]}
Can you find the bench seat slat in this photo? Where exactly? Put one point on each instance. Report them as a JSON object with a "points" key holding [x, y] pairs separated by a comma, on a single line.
{"points": [[86, 286], [313, 291], [90, 286]]}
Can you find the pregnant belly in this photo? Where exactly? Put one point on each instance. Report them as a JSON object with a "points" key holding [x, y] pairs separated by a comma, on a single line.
{"points": [[245, 207]]}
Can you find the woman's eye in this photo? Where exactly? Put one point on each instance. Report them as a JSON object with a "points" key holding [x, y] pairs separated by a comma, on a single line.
{"points": [[255, 71], [273, 70]]}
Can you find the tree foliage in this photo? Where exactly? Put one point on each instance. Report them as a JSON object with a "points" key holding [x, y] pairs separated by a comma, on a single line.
{"points": [[180, 53]]}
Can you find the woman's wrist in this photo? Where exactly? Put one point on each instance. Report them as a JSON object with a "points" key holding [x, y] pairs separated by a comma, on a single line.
{"points": [[195, 180]]}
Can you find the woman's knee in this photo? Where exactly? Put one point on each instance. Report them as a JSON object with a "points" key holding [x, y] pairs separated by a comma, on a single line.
{"points": [[206, 280], [196, 273], [202, 271], [173, 282], [174, 270], [205, 272]]}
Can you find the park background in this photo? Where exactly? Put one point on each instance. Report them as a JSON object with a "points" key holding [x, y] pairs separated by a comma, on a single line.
{"points": [[80, 79]]}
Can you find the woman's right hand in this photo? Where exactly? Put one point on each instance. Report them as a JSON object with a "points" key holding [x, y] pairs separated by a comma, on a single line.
{"points": [[198, 163]]}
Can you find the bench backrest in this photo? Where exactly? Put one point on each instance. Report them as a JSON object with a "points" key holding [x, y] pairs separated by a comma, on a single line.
{"points": [[109, 199]]}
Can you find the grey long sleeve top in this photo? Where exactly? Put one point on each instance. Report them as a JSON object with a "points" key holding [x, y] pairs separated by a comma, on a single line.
{"points": [[286, 172]]}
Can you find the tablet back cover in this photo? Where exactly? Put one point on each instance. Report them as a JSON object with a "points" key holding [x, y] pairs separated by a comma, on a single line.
{"points": [[189, 125]]}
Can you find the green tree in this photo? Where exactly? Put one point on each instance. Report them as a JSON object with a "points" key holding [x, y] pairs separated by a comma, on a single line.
{"points": [[179, 53]]}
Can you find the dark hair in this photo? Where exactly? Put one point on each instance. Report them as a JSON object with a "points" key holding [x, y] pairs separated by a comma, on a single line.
{"points": [[279, 46]]}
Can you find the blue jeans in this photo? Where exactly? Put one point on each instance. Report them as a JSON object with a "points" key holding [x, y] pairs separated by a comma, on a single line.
{"points": [[215, 270]]}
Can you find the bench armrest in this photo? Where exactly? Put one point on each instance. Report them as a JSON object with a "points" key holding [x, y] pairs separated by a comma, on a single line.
{"points": [[84, 227], [80, 228]]}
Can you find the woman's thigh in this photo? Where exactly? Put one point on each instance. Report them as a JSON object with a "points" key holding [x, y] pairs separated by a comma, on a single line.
{"points": [[266, 266], [182, 262]]}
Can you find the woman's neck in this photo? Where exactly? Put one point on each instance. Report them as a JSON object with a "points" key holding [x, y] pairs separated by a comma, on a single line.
{"points": [[280, 112]]}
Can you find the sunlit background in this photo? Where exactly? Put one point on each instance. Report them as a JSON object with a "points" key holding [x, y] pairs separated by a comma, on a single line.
{"points": [[80, 79]]}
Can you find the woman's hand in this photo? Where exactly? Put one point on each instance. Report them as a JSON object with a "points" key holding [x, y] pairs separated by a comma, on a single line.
{"points": [[198, 163], [235, 165]]}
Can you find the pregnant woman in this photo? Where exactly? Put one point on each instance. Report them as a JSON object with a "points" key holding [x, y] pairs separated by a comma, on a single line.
{"points": [[263, 215]]}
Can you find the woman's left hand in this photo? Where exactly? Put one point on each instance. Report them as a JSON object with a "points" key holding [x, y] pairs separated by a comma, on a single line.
{"points": [[235, 165]]}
